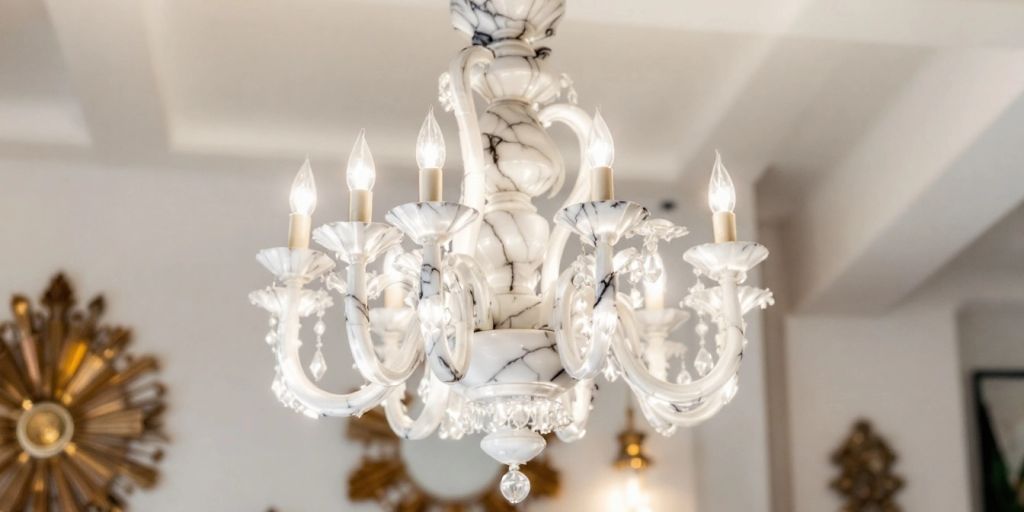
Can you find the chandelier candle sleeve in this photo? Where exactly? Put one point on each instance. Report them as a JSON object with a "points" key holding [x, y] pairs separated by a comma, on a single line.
{"points": [[722, 199], [600, 155], [303, 201], [394, 295], [360, 175], [430, 155]]}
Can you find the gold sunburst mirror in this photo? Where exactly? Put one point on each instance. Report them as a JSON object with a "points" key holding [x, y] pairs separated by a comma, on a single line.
{"points": [[79, 417], [385, 476]]}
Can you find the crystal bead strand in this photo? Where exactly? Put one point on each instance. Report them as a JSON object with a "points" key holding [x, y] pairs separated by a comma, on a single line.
{"points": [[319, 365]]}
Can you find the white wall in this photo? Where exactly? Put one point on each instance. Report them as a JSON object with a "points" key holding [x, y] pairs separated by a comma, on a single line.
{"points": [[173, 251], [902, 371]]}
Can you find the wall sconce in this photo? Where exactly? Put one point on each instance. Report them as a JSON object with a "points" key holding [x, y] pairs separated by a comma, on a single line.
{"points": [[631, 463]]}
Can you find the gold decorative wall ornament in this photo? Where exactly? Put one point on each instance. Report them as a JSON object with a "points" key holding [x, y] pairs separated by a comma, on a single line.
{"points": [[866, 482], [79, 418], [631, 446], [382, 476]]}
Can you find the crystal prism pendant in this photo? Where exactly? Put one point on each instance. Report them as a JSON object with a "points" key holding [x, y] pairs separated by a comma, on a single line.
{"points": [[515, 487], [703, 363], [318, 366], [653, 267]]}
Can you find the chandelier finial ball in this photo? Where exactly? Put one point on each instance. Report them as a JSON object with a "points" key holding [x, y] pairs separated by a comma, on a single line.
{"points": [[515, 486]]}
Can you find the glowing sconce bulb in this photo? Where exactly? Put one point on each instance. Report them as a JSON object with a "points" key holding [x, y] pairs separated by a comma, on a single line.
{"points": [[722, 199], [600, 155], [303, 201], [360, 176], [430, 157], [303, 195], [430, 151], [361, 172], [721, 192], [635, 498]]}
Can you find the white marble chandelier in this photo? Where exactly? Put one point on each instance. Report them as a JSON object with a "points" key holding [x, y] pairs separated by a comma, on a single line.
{"points": [[510, 341]]}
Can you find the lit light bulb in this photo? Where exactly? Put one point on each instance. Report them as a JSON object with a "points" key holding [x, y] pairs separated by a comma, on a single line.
{"points": [[303, 194], [630, 496], [600, 146], [361, 172], [430, 153], [721, 192], [636, 499]]}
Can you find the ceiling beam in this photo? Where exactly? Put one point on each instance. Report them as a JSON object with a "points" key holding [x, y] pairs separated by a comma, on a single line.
{"points": [[893, 212], [107, 53]]}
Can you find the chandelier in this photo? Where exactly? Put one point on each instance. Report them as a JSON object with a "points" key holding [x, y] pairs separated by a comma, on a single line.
{"points": [[510, 339]]}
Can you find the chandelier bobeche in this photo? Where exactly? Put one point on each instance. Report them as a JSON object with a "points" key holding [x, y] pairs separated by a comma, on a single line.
{"points": [[512, 342]]}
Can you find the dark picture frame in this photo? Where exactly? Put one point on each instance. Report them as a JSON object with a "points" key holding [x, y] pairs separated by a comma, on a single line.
{"points": [[1000, 492]]}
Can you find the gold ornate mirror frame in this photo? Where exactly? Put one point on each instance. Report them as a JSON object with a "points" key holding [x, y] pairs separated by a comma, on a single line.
{"points": [[80, 420], [382, 476], [866, 481]]}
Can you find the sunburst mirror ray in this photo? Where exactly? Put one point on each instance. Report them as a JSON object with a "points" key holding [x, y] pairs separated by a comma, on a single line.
{"points": [[80, 418]]}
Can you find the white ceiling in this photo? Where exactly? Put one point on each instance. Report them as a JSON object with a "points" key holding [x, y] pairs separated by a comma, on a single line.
{"points": [[808, 98]]}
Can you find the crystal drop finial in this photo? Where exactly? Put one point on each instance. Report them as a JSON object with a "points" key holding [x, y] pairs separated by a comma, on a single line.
{"points": [[319, 366], [730, 389], [653, 267], [515, 487], [684, 377], [703, 363]]}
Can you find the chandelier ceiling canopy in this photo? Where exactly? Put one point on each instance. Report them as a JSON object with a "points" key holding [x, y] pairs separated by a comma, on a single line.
{"points": [[512, 341]]}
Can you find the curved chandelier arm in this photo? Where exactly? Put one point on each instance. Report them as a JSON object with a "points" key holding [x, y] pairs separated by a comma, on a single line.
{"points": [[357, 326], [689, 417], [446, 365], [683, 395], [580, 122], [595, 353], [578, 401], [473, 282], [429, 419], [462, 71], [659, 424], [298, 384]]}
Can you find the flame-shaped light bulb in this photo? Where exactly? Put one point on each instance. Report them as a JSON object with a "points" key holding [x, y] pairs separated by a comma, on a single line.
{"points": [[722, 199], [361, 172], [600, 146], [721, 192], [303, 195], [430, 152]]}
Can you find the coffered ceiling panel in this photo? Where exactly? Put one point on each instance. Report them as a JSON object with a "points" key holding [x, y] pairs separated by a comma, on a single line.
{"points": [[37, 105]]}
